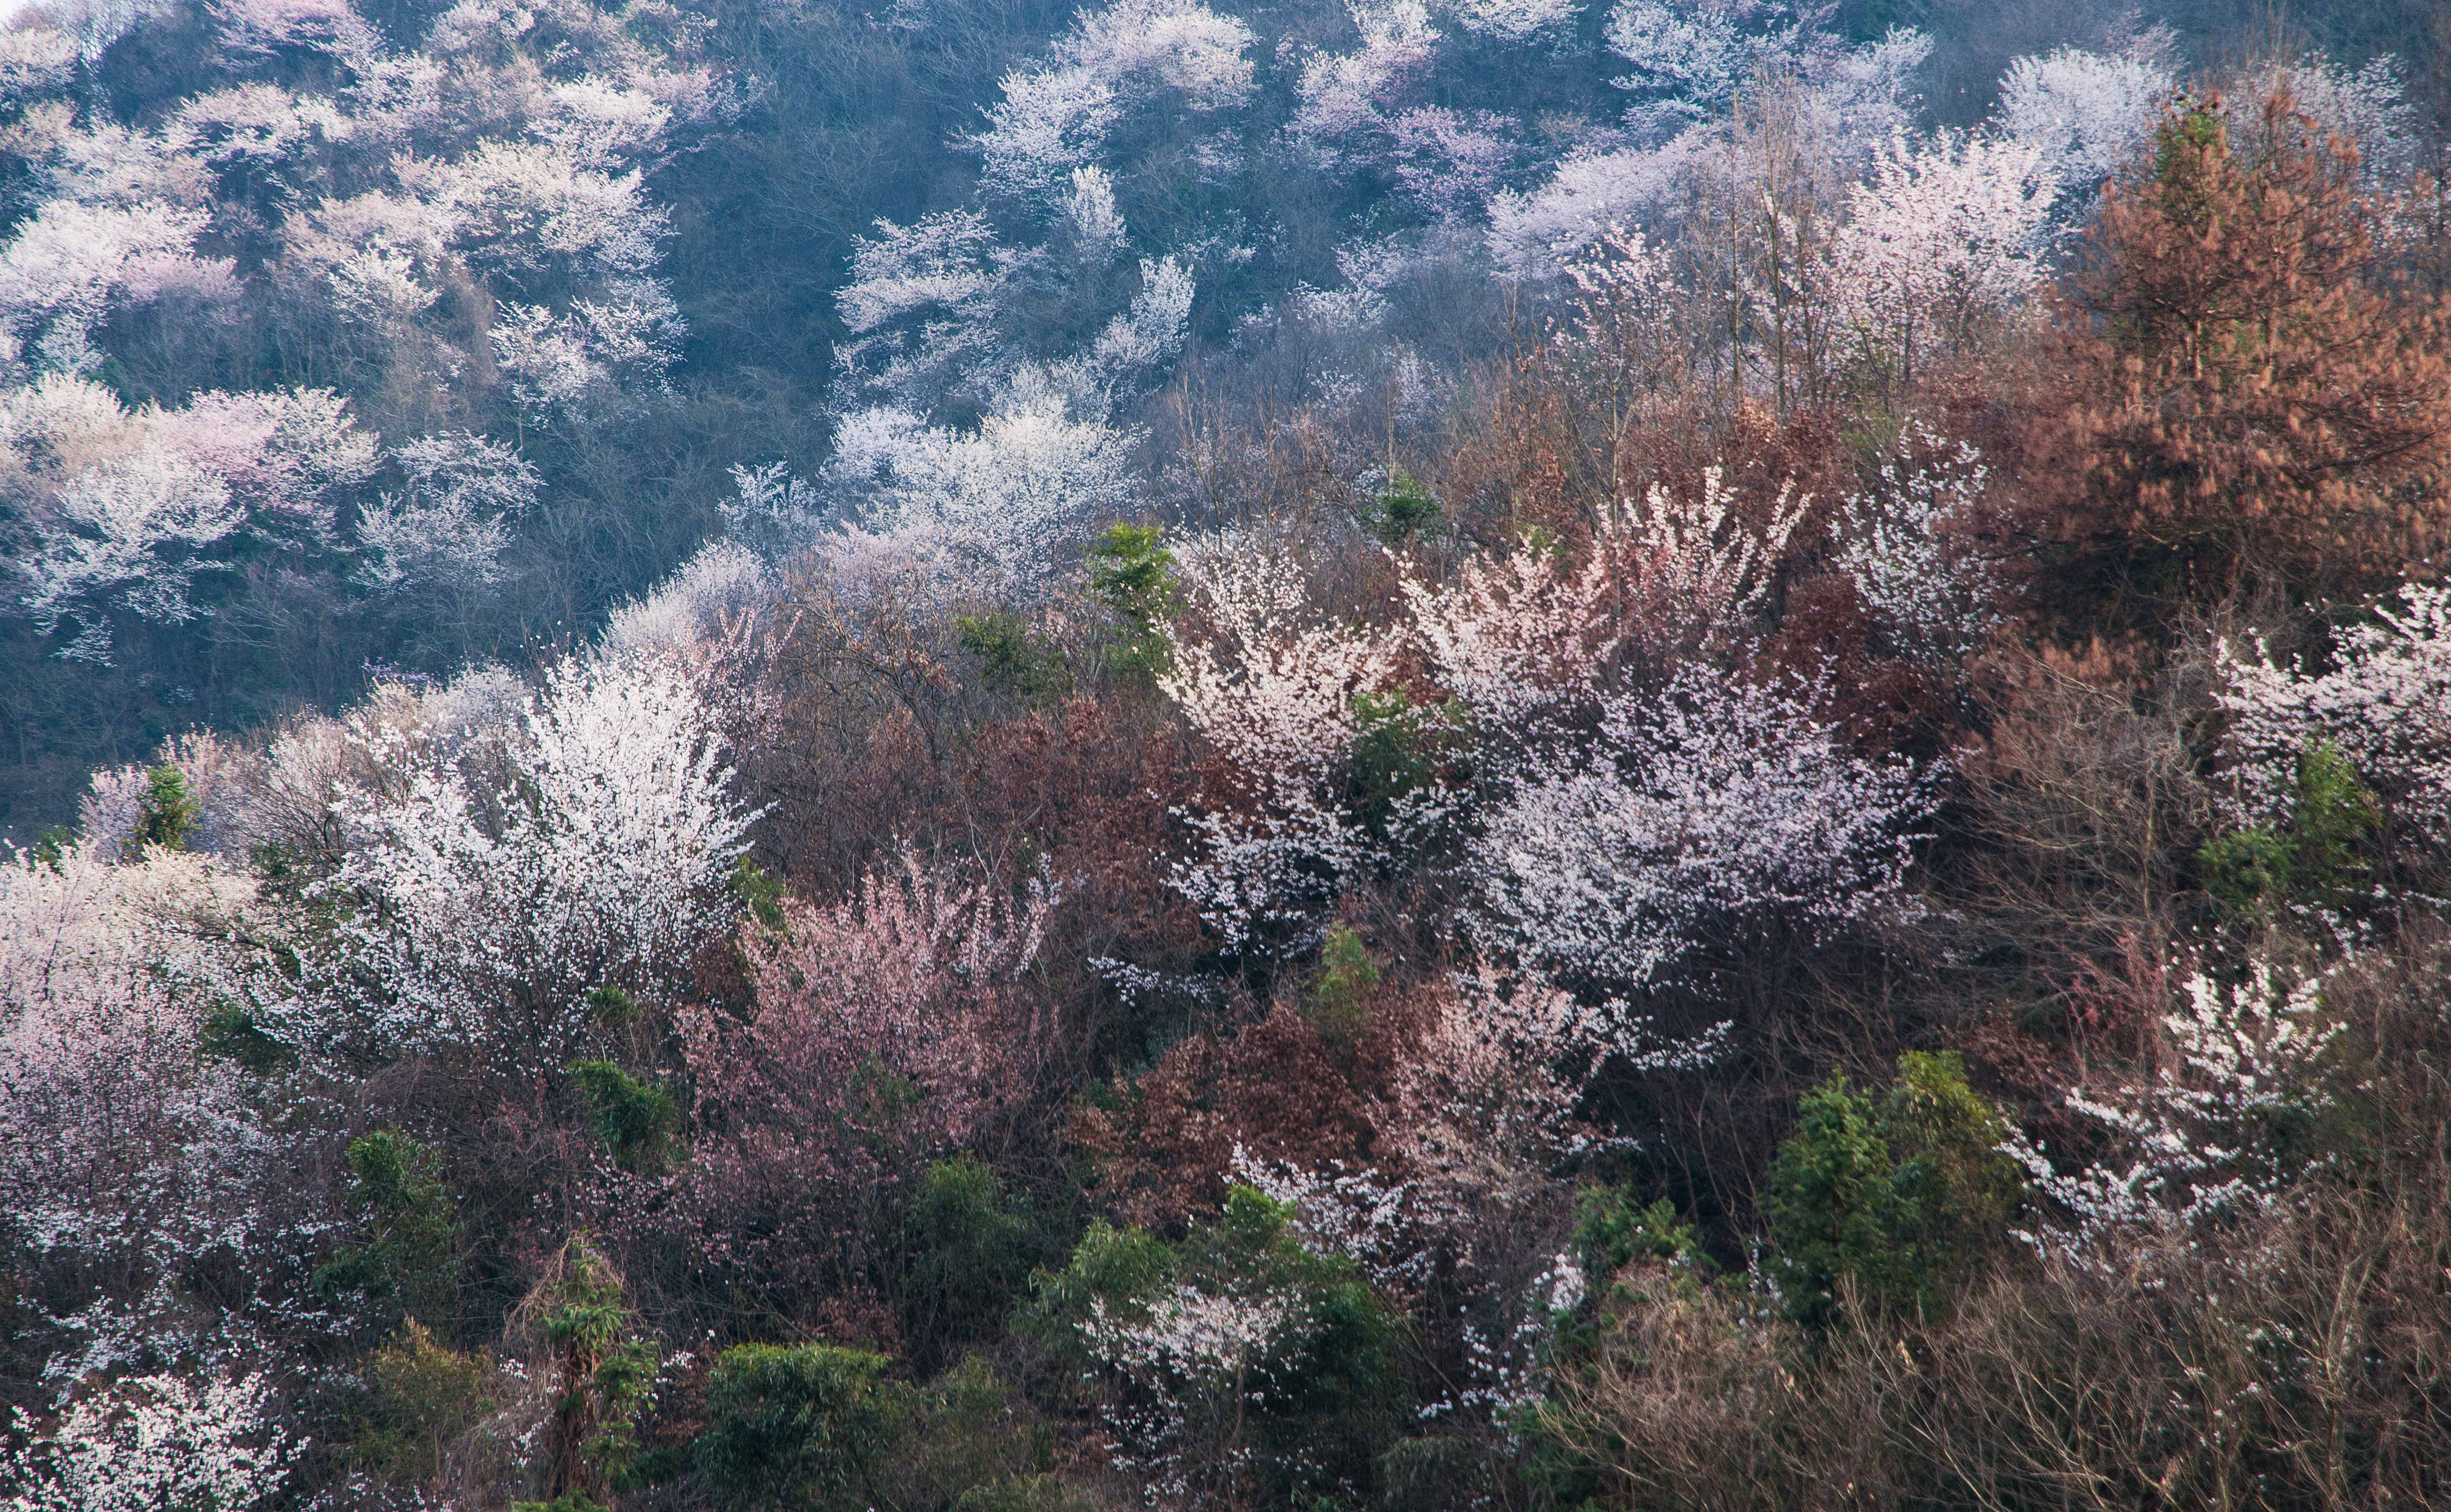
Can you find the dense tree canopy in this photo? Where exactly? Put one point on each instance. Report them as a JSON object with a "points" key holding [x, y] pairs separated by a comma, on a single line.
{"points": [[997, 759]]}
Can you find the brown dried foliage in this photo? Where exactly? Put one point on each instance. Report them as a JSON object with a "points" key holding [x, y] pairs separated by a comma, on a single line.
{"points": [[2240, 391]]}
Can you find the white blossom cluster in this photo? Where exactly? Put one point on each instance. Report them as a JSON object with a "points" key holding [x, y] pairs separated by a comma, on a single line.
{"points": [[115, 1136], [1272, 693], [1937, 237], [1193, 1361], [133, 503], [541, 213], [1695, 815], [1685, 61], [1849, 104], [2384, 704], [485, 902], [2086, 115], [1904, 543], [1614, 830], [2193, 1139], [157, 1441], [1002, 501], [125, 1152]]}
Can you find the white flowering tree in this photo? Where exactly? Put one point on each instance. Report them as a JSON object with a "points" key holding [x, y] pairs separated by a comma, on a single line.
{"points": [[1274, 696], [1270, 690], [1941, 237], [1686, 60], [1697, 816], [129, 507], [1907, 543], [2199, 1134], [1003, 499], [156, 1441], [127, 1150], [449, 525], [2086, 115], [480, 161], [2385, 703], [479, 908]]}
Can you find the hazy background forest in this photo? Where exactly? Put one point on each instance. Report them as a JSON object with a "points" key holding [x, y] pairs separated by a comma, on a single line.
{"points": [[1404, 754], [208, 204]]}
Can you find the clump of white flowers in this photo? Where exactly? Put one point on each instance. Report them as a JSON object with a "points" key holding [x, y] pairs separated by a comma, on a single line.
{"points": [[2384, 704], [2237, 1054], [1695, 815]]}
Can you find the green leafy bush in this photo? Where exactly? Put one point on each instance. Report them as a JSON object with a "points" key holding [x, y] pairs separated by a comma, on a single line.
{"points": [[603, 1367], [634, 1118], [2315, 857], [971, 1247], [798, 1428], [167, 814], [409, 1265], [1897, 1201], [1136, 579], [1013, 660], [1404, 510]]}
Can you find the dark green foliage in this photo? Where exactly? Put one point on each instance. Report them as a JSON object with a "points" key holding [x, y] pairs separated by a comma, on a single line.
{"points": [[1011, 660], [410, 1264], [1341, 1000], [1024, 1493], [760, 894], [1897, 1201], [969, 1443], [430, 1395], [231, 1033], [51, 847], [798, 1428], [572, 1501], [1404, 510], [1955, 1191], [612, 1007], [634, 1118], [167, 815], [1134, 577], [1398, 748], [1612, 1231], [603, 1367], [1831, 1207], [970, 1248], [2315, 858]]}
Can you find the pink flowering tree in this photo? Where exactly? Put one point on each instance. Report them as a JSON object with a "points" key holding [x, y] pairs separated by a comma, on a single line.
{"points": [[887, 1026]]}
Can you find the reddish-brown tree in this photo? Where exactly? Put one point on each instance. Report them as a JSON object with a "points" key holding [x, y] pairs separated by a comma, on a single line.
{"points": [[2239, 392]]}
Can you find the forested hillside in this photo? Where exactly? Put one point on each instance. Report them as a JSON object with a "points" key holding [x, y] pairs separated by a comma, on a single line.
{"points": [[979, 757]]}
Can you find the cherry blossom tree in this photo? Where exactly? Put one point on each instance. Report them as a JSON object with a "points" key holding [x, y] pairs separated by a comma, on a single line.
{"points": [[1695, 817], [488, 905], [1270, 690], [1941, 237], [2191, 1140], [1908, 544], [889, 1026], [1686, 60], [157, 1440], [2385, 703], [1054, 117], [2084, 114], [1005, 499]]}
